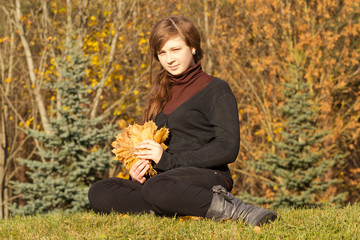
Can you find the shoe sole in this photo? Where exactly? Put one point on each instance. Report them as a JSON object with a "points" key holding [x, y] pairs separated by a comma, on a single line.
{"points": [[268, 217]]}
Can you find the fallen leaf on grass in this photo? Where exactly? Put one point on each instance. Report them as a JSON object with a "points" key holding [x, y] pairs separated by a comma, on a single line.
{"points": [[189, 218], [257, 229]]}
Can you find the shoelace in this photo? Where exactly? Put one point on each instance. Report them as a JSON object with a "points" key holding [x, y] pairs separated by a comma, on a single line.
{"points": [[222, 191]]}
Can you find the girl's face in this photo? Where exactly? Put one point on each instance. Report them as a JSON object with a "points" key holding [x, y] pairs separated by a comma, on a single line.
{"points": [[175, 56]]}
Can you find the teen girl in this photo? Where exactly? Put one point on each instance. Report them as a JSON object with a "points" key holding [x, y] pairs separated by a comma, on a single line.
{"points": [[201, 113]]}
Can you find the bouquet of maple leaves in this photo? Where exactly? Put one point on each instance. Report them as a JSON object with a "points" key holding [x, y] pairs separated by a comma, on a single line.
{"points": [[132, 136]]}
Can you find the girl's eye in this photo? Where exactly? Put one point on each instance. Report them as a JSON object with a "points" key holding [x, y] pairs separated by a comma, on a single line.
{"points": [[177, 49], [161, 53]]}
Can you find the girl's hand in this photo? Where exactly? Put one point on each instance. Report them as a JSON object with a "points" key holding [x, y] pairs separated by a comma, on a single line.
{"points": [[150, 150], [138, 170]]}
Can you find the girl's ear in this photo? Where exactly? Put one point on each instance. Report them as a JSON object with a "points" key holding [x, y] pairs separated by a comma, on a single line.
{"points": [[193, 51]]}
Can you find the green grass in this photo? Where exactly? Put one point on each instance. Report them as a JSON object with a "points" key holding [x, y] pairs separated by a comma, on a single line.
{"points": [[319, 223]]}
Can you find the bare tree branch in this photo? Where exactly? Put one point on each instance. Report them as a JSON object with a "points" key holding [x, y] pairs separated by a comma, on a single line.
{"points": [[108, 67], [31, 69]]}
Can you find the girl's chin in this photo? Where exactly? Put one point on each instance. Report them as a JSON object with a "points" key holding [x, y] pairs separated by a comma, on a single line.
{"points": [[176, 72]]}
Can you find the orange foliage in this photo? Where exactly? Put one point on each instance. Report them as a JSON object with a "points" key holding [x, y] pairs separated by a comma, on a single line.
{"points": [[262, 39]]}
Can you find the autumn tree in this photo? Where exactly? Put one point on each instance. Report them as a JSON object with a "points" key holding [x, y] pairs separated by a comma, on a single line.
{"points": [[75, 154], [37, 38], [252, 50], [14, 102], [296, 170]]}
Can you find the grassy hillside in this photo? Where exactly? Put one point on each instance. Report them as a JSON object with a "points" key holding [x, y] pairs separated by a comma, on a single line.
{"points": [[320, 223]]}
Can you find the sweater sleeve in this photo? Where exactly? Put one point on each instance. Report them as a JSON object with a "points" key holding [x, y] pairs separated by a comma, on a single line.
{"points": [[221, 150]]}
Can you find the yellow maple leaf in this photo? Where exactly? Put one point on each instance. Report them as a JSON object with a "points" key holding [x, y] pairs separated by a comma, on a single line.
{"points": [[132, 136]]}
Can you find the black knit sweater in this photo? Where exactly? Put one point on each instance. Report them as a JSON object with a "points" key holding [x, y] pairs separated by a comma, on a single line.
{"points": [[204, 131]]}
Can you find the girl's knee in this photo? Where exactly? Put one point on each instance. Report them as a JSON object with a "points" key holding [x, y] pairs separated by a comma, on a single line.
{"points": [[99, 193], [95, 196], [154, 190]]}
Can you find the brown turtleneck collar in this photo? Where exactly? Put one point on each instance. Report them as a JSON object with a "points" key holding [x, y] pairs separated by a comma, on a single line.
{"points": [[186, 85]]}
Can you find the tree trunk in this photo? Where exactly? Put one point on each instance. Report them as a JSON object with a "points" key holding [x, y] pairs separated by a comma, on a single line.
{"points": [[4, 161], [30, 63]]}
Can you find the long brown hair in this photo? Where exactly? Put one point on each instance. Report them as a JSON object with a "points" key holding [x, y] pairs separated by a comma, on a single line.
{"points": [[166, 28]]}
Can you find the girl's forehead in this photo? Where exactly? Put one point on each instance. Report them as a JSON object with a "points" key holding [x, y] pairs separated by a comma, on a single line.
{"points": [[175, 40]]}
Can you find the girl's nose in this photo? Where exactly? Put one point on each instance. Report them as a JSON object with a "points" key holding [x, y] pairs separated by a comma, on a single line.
{"points": [[169, 58]]}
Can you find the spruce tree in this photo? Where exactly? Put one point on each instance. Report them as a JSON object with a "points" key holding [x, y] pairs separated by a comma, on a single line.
{"points": [[74, 155], [297, 169]]}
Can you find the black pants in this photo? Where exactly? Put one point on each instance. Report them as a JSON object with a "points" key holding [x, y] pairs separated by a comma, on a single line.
{"points": [[180, 191]]}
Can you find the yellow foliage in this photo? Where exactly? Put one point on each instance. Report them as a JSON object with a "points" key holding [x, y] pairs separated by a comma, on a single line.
{"points": [[29, 121], [134, 135]]}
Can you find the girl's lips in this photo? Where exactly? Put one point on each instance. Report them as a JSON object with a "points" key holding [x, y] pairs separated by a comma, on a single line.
{"points": [[173, 67]]}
